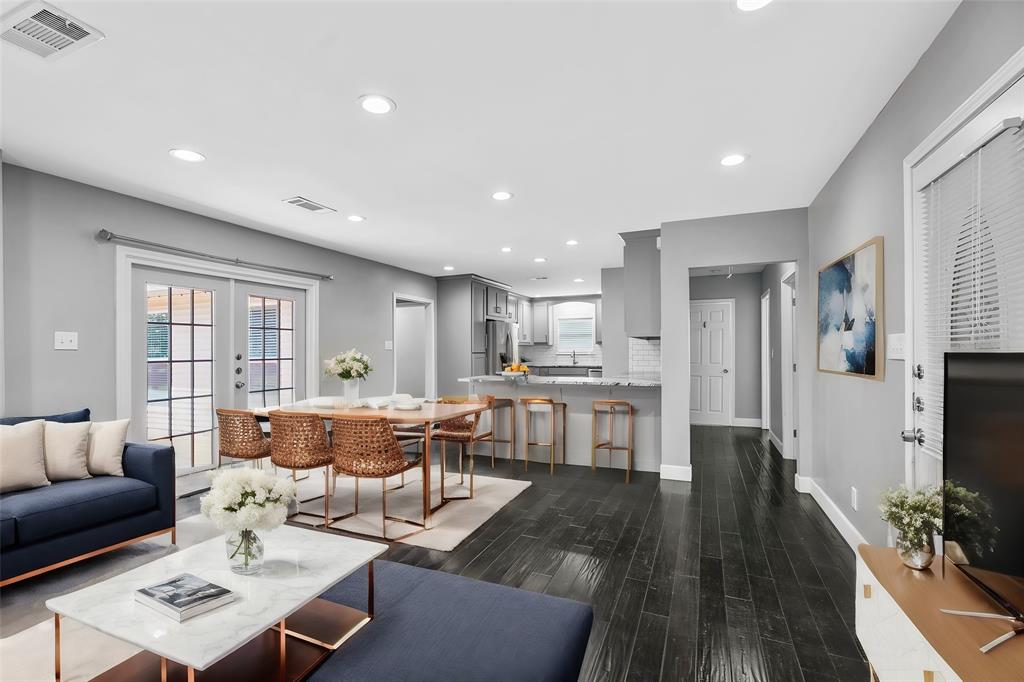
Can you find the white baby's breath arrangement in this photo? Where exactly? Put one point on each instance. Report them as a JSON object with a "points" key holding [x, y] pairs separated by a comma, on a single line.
{"points": [[915, 515], [349, 365]]}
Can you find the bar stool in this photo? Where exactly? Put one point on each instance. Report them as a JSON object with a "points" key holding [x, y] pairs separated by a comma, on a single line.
{"points": [[462, 430], [610, 408], [241, 436], [501, 404], [554, 405], [299, 442]]}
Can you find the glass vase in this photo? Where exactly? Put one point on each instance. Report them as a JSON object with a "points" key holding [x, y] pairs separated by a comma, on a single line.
{"points": [[915, 552], [245, 551], [351, 389]]}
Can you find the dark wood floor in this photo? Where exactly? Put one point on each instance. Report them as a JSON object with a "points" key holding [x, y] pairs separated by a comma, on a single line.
{"points": [[731, 577]]}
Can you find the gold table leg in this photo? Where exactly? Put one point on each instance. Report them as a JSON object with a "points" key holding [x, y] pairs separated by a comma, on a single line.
{"points": [[56, 647], [163, 669]]}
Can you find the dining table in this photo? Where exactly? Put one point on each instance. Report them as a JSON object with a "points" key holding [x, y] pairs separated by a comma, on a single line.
{"points": [[427, 415]]}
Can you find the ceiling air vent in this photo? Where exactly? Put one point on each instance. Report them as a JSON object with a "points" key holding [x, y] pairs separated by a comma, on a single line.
{"points": [[46, 31], [309, 205]]}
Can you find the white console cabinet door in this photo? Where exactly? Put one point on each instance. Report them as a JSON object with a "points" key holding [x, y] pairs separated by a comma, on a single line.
{"points": [[896, 650]]}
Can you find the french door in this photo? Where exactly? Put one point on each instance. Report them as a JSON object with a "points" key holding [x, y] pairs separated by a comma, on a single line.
{"points": [[711, 361], [199, 343]]}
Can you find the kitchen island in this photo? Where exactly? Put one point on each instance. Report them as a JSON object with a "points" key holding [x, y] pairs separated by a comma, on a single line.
{"points": [[578, 393]]}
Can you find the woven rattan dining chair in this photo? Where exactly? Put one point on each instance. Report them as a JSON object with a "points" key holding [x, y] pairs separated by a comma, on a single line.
{"points": [[463, 430], [368, 448], [241, 436], [299, 442]]}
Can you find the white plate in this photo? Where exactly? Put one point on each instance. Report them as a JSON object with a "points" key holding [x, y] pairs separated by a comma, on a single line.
{"points": [[408, 407]]}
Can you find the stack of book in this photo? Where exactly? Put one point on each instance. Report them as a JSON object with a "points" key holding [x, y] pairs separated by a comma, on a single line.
{"points": [[184, 596]]}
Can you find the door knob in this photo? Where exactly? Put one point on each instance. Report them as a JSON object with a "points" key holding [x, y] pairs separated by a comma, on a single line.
{"points": [[725, 371], [239, 384]]}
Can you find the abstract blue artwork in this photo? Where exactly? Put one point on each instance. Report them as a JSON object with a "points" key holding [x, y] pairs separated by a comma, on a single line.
{"points": [[850, 296]]}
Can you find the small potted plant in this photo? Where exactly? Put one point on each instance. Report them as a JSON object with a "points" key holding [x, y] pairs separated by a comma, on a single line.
{"points": [[351, 367], [916, 516], [242, 501]]}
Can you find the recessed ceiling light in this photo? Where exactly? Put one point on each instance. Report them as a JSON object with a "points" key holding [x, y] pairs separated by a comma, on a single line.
{"points": [[449, 268], [540, 259], [356, 218], [733, 159], [578, 280], [377, 104], [501, 195], [538, 279], [751, 5], [571, 242], [187, 155], [506, 249]]}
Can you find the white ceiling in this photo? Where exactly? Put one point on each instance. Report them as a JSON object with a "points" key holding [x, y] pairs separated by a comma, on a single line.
{"points": [[600, 117]]}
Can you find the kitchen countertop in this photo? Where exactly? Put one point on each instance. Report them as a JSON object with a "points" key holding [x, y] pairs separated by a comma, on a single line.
{"points": [[649, 380]]}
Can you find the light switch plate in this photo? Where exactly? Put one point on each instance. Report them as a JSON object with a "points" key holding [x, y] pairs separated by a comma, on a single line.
{"points": [[65, 340], [389, 345], [894, 347]]}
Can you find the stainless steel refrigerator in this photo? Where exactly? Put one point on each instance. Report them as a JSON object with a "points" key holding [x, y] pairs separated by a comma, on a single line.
{"points": [[501, 346]]}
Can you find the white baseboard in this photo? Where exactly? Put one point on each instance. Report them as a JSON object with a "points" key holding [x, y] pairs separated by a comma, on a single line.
{"points": [[832, 511], [746, 421], [676, 473], [777, 442], [802, 483]]}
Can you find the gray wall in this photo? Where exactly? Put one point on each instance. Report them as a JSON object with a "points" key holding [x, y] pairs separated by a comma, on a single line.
{"points": [[613, 323], [57, 276], [771, 280], [411, 349], [856, 421], [454, 335], [746, 289], [770, 236]]}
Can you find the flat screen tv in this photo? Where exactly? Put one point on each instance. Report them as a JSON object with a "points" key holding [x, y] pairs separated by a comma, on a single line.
{"points": [[983, 469]]}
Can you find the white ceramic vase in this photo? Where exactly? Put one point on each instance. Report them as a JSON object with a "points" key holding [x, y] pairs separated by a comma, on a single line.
{"points": [[351, 390]]}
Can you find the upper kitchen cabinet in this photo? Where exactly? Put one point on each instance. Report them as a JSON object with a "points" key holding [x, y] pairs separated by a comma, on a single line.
{"points": [[642, 283], [512, 311], [525, 321], [497, 303], [479, 317], [542, 322], [464, 305]]}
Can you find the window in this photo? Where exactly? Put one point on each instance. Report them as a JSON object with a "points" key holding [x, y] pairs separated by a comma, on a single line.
{"points": [[575, 334], [271, 359], [179, 371]]}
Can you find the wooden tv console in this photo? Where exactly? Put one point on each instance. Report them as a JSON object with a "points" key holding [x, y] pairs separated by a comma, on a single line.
{"points": [[907, 639]]}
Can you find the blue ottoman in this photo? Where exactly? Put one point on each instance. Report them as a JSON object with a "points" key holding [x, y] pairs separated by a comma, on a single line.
{"points": [[434, 626]]}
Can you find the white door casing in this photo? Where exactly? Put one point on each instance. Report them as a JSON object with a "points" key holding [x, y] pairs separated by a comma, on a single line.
{"points": [[430, 378], [766, 357], [712, 361], [789, 331]]}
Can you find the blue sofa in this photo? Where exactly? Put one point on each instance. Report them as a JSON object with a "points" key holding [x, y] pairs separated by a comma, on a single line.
{"points": [[44, 528], [433, 626]]}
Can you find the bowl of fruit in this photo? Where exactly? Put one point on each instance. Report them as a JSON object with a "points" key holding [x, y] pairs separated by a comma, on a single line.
{"points": [[515, 371]]}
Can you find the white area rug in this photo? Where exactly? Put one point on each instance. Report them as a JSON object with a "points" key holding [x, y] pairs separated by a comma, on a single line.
{"points": [[449, 525]]}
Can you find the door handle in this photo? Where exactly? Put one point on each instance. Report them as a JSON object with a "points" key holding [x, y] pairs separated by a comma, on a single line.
{"points": [[913, 436], [239, 384], [725, 371]]}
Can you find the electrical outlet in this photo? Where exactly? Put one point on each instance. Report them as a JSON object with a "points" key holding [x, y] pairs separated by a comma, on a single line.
{"points": [[65, 340], [853, 498], [895, 347]]}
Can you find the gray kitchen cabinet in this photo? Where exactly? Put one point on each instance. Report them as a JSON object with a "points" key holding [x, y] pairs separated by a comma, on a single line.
{"points": [[642, 284], [497, 303], [479, 364], [542, 322], [597, 321], [479, 318], [525, 321], [512, 311]]}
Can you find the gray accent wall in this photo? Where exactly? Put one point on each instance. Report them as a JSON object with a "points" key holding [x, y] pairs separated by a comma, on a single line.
{"points": [[58, 276], [613, 323], [746, 289], [857, 422]]}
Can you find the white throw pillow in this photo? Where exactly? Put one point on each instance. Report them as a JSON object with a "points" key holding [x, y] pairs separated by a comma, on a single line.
{"points": [[65, 446], [106, 447], [21, 457]]}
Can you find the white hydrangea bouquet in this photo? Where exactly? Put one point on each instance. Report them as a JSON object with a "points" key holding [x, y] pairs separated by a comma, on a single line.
{"points": [[350, 367], [242, 501]]}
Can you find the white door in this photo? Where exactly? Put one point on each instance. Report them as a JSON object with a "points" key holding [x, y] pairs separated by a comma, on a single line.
{"points": [[268, 365], [711, 362]]}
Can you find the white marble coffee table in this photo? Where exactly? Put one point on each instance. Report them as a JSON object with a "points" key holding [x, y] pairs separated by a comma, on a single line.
{"points": [[299, 565]]}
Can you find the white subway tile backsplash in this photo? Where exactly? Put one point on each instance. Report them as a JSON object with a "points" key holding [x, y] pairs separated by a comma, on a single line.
{"points": [[644, 355], [543, 354]]}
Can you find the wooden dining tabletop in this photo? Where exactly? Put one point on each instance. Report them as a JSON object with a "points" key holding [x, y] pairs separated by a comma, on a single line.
{"points": [[430, 413]]}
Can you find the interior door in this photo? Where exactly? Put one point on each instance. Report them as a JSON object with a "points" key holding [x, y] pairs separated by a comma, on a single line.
{"points": [[181, 343], [711, 362], [268, 365]]}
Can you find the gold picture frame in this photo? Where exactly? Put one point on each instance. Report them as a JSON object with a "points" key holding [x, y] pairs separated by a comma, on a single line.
{"points": [[853, 344]]}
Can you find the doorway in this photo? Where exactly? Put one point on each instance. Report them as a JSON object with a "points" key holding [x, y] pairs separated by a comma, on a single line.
{"points": [[712, 350], [766, 360], [413, 346], [788, 319]]}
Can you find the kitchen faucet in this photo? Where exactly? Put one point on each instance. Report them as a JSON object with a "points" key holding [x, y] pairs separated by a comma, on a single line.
{"points": [[574, 357]]}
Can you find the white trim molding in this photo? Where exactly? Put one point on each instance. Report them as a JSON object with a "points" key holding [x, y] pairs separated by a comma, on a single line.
{"points": [[777, 442], [126, 257], [672, 472], [843, 525], [802, 483], [747, 421]]}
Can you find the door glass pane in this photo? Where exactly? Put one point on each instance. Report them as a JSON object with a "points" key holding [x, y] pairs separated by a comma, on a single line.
{"points": [[202, 340], [271, 319], [181, 342], [203, 379], [181, 305], [286, 314], [182, 452], [202, 306], [255, 343], [286, 344], [202, 449], [270, 339], [270, 375], [181, 416], [255, 399], [181, 379], [158, 341], [157, 424], [158, 380], [156, 303], [202, 414], [287, 397], [270, 345], [255, 311], [287, 380], [255, 376]]}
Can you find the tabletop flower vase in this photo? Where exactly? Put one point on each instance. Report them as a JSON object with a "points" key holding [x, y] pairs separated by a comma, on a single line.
{"points": [[916, 516], [351, 367], [241, 502]]}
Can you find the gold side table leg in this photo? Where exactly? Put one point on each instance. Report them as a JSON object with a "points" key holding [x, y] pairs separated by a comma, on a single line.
{"points": [[282, 639], [56, 647], [191, 674], [163, 669]]}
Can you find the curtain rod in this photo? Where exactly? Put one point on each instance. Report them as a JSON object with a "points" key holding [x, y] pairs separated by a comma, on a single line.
{"points": [[109, 236]]}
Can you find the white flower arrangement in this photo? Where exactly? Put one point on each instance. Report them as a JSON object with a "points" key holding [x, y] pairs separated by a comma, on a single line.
{"points": [[915, 515], [349, 365], [247, 499]]}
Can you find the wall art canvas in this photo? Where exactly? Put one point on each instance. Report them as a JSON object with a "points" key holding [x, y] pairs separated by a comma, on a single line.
{"points": [[850, 315]]}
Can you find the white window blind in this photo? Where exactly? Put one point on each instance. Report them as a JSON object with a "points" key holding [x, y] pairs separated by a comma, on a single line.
{"points": [[575, 334], [969, 288]]}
